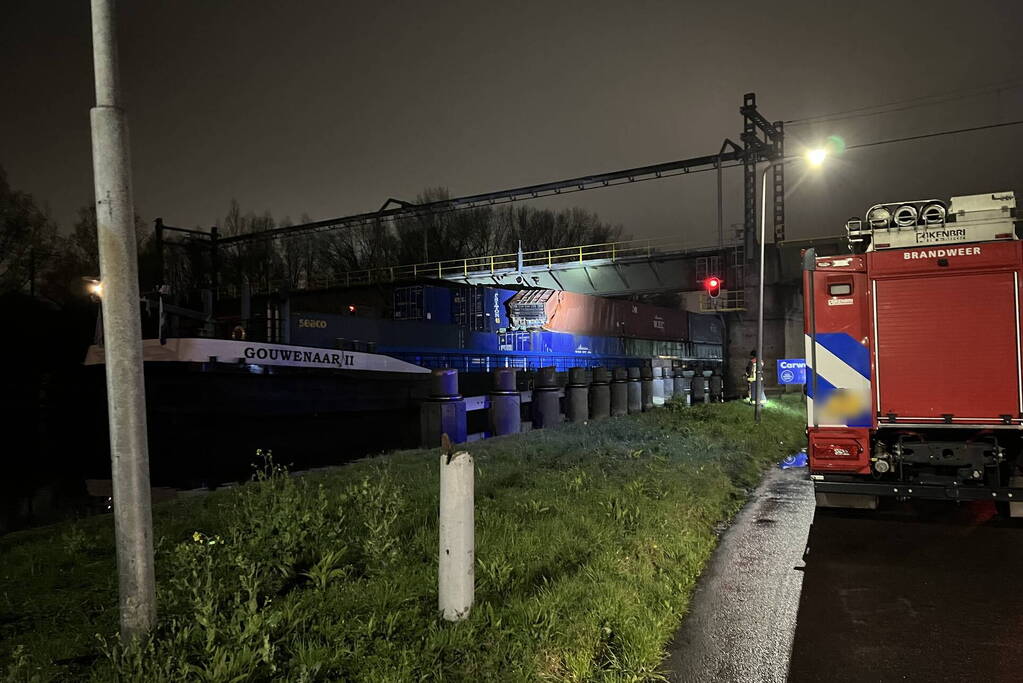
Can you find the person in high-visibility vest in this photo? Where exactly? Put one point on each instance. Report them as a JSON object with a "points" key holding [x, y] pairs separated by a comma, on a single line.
{"points": [[752, 368]]}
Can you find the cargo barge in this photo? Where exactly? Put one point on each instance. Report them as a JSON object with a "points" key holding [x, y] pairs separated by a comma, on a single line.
{"points": [[325, 377], [211, 403], [480, 328]]}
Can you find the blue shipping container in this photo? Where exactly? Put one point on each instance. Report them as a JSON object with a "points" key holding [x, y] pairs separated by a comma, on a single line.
{"points": [[482, 309], [514, 341], [499, 302], [482, 341], [423, 302], [705, 328], [560, 343]]}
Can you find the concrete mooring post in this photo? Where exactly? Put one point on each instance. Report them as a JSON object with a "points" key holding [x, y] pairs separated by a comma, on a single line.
{"points": [[680, 386], [122, 334], [635, 392], [505, 403], [444, 411], [658, 386], [620, 392], [669, 384], [456, 572], [647, 389], [546, 402], [697, 388], [577, 395], [705, 381], [717, 393], [600, 394]]}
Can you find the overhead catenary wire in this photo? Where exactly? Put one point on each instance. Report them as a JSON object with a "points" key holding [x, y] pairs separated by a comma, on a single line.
{"points": [[924, 136], [906, 104], [519, 194], [407, 211], [909, 138]]}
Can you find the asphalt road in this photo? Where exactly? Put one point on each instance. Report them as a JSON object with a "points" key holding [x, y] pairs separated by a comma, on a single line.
{"points": [[743, 614], [923, 591], [927, 591]]}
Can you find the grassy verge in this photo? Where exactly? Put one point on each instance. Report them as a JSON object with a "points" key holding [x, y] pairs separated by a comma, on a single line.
{"points": [[589, 542]]}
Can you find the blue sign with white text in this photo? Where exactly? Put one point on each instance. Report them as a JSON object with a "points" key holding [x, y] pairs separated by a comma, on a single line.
{"points": [[791, 371]]}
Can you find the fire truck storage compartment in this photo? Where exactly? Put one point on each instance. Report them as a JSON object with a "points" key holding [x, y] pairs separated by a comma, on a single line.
{"points": [[948, 347]]}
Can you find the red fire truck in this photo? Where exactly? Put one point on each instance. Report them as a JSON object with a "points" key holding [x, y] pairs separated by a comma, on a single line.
{"points": [[914, 375]]}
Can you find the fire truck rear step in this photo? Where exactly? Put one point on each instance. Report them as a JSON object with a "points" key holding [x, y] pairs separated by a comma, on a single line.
{"points": [[1013, 494], [855, 501]]}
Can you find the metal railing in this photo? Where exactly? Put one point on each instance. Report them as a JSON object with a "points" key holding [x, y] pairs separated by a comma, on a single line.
{"points": [[494, 263], [729, 300]]}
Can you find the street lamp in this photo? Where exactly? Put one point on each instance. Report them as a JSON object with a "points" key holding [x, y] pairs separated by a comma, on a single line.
{"points": [[815, 157], [94, 286]]}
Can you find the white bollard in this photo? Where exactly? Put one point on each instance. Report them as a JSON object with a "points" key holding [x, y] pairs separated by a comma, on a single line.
{"points": [[457, 567]]}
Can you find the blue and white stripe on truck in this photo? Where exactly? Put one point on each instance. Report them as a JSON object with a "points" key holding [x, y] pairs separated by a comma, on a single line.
{"points": [[841, 397]]}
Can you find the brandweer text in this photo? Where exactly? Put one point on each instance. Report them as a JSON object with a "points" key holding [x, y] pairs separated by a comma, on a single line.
{"points": [[941, 253]]}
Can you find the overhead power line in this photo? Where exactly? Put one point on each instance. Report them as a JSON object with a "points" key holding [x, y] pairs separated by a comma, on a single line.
{"points": [[903, 105], [938, 134], [726, 159]]}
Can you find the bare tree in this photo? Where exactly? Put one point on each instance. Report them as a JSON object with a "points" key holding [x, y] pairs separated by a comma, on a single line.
{"points": [[28, 238]]}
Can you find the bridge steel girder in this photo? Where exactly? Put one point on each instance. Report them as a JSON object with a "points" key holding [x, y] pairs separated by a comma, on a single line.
{"points": [[662, 272]]}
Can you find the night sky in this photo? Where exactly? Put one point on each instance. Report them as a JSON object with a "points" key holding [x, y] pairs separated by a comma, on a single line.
{"points": [[328, 108]]}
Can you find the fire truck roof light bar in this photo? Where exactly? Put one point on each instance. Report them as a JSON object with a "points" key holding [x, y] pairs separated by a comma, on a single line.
{"points": [[970, 218]]}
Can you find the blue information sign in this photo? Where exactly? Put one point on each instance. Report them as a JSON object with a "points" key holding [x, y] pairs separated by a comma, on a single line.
{"points": [[791, 371]]}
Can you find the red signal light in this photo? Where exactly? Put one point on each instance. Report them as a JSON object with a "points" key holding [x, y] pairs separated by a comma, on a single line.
{"points": [[713, 286], [351, 309]]}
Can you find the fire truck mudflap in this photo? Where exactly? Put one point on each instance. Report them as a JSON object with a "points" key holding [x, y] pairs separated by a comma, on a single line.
{"points": [[915, 374]]}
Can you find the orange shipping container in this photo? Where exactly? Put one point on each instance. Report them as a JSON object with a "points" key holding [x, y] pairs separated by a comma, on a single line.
{"points": [[592, 315], [643, 321]]}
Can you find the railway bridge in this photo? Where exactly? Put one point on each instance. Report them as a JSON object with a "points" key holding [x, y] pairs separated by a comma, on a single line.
{"points": [[608, 269]]}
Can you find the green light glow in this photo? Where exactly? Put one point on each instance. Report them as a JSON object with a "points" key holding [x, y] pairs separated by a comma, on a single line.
{"points": [[835, 144]]}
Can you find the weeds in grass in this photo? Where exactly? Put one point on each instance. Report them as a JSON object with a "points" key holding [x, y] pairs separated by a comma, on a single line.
{"points": [[20, 668], [382, 503], [74, 539], [328, 569], [576, 479], [622, 513], [533, 507], [589, 541]]}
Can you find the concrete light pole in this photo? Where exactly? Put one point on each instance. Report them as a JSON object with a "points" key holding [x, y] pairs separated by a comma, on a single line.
{"points": [[815, 158], [122, 334]]}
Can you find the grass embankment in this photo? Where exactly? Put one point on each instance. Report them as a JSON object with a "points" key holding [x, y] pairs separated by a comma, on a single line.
{"points": [[590, 539]]}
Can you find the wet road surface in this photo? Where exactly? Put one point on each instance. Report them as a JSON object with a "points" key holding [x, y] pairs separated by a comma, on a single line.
{"points": [[923, 591], [743, 614]]}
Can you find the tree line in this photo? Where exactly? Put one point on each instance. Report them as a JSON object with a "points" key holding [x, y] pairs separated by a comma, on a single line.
{"points": [[36, 258]]}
